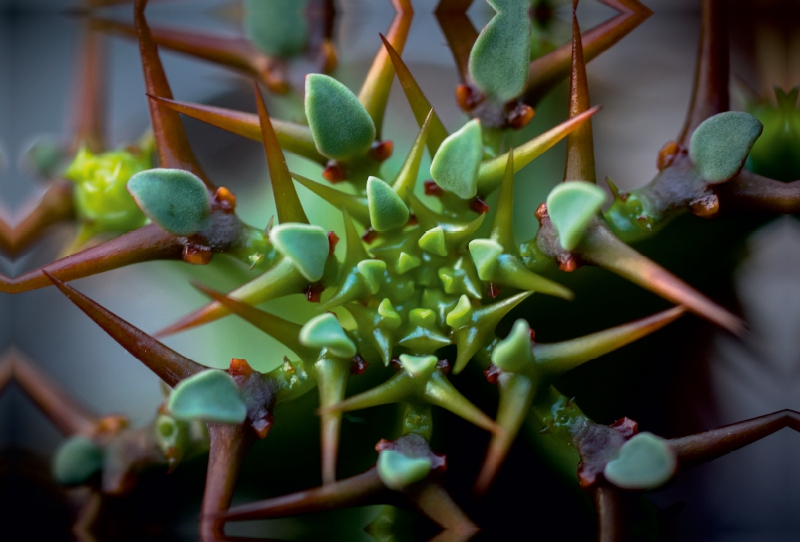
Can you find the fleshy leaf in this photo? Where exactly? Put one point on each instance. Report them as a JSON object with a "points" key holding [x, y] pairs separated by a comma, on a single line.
{"points": [[174, 199], [341, 126], [386, 208], [211, 396], [77, 460], [407, 262], [389, 316], [461, 313], [433, 241], [571, 206], [455, 166], [398, 471], [419, 366], [645, 462], [484, 254], [499, 60], [372, 270], [324, 331], [719, 146], [305, 245], [513, 353]]}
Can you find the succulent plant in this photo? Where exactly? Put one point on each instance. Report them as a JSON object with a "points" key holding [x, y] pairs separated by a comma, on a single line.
{"points": [[431, 274]]}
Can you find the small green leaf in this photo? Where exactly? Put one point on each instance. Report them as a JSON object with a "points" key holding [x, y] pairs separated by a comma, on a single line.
{"points": [[461, 314], [305, 245], [174, 199], [324, 331], [340, 125], [499, 60], [719, 146], [422, 317], [386, 209], [484, 254], [211, 396], [433, 241], [645, 462], [397, 471], [372, 271], [455, 166], [407, 262], [571, 206], [419, 366], [513, 353], [389, 316], [77, 460]]}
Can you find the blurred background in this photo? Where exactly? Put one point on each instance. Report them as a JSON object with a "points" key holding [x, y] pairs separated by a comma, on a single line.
{"points": [[671, 387]]}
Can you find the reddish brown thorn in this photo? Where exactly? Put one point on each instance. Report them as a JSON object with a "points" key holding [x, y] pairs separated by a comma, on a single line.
{"points": [[748, 192], [68, 416], [225, 199], [172, 145], [432, 189], [611, 514], [333, 240], [369, 236], [667, 154], [333, 172], [468, 98], [479, 206], [520, 116], [460, 35], [706, 206], [492, 289], [358, 365], [712, 76], [381, 150], [148, 243], [196, 254], [167, 364], [56, 205], [314, 292], [88, 106], [492, 373]]}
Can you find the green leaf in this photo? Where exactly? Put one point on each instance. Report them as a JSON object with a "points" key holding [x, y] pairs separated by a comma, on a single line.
{"points": [[513, 353], [372, 270], [386, 209], [571, 206], [276, 27], [211, 396], [719, 146], [324, 331], [174, 199], [305, 245], [77, 460], [433, 241], [455, 166], [341, 126], [484, 254], [419, 366], [645, 462], [397, 471], [499, 60], [461, 314]]}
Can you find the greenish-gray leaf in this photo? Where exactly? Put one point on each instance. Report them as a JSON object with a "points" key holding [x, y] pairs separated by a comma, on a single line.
{"points": [[386, 209], [174, 199], [397, 471], [513, 353], [719, 146], [324, 331], [211, 396], [419, 366], [571, 206], [645, 462], [455, 166], [305, 245], [77, 460], [340, 125], [499, 60], [277, 27], [484, 253]]}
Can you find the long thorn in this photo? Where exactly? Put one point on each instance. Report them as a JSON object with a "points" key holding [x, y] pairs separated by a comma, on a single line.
{"points": [[88, 108], [56, 205], [286, 201], [610, 506], [434, 501], [460, 35], [145, 244], [580, 143], [710, 94], [172, 145], [167, 364], [69, 417]]}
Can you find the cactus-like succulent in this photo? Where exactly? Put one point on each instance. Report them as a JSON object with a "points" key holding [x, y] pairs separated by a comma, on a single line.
{"points": [[431, 274]]}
